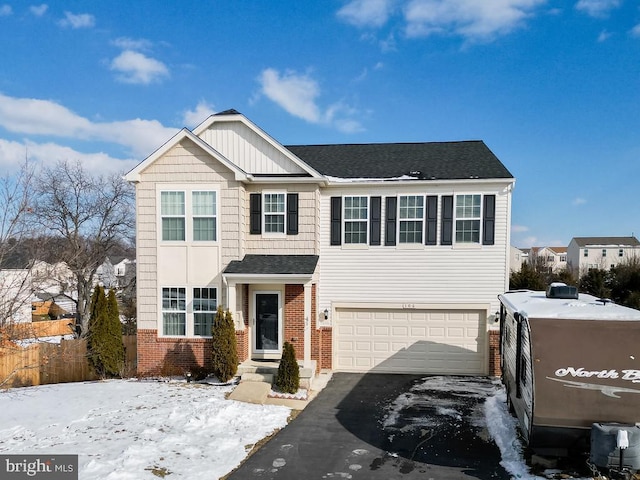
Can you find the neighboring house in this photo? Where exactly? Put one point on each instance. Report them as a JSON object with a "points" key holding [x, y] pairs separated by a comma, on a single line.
{"points": [[115, 272], [585, 253], [518, 257], [371, 257], [549, 259]]}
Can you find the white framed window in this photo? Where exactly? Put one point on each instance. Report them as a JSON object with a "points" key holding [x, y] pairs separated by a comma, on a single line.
{"points": [[604, 252], [563, 258], [172, 210], [621, 253], [274, 212], [585, 253], [205, 305], [174, 311], [188, 214], [356, 220], [411, 218], [468, 218], [204, 214]]}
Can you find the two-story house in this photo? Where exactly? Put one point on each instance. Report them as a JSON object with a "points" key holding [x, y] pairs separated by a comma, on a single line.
{"points": [[548, 259], [585, 253], [370, 257]]}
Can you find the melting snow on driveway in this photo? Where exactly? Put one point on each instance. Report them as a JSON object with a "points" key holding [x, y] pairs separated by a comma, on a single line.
{"points": [[136, 429]]}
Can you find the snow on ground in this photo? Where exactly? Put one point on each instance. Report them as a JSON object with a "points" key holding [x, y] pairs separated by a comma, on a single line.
{"points": [[127, 429]]}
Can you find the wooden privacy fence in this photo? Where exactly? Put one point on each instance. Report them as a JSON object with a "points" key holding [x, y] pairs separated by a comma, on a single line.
{"points": [[45, 363]]}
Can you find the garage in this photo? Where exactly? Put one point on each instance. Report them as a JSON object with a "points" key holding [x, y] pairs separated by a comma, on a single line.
{"points": [[429, 341]]}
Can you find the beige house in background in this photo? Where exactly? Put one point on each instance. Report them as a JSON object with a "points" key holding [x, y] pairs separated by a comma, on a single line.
{"points": [[585, 253]]}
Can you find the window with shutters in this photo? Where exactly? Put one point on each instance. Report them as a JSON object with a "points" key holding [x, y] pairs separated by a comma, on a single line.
{"points": [[356, 220], [411, 218], [468, 217], [274, 212]]}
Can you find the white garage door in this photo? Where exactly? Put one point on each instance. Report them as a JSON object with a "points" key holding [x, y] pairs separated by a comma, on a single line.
{"points": [[411, 341]]}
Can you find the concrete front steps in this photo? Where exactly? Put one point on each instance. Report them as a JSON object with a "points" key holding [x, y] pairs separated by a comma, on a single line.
{"points": [[266, 371]]}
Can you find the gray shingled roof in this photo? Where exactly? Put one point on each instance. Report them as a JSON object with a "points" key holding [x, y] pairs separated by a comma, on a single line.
{"points": [[274, 265], [430, 161], [586, 241]]}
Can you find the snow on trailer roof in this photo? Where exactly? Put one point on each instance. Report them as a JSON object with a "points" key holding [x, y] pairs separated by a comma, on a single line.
{"points": [[533, 304]]}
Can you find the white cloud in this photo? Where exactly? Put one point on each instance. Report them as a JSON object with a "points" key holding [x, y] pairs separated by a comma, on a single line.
{"points": [[297, 94], [81, 20], [13, 155], [5, 10], [137, 68], [192, 118], [44, 117], [597, 8], [126, 43], [604, 36], [471, 19], [578, 201], [38, 10], [635, 31], [366, 13], [519, 228]]}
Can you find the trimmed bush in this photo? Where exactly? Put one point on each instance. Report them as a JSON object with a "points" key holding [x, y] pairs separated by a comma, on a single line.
{"points": [[288, 377], [225, 351], [105, 348]]}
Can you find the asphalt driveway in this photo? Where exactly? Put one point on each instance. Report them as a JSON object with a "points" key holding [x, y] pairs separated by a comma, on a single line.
{"points": [[377, 426]]}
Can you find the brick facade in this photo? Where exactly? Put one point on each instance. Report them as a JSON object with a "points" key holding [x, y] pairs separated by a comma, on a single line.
{"points": [[494, 353]]}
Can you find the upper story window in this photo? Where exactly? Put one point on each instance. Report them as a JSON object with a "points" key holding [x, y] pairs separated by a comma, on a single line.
{"points": [[204, 216], [585, 253], [201, 219], [563, 258], [621, 253], [468, 218], [604, 252], [411, 219], [356, 219], [172, 210], [274, 212]]}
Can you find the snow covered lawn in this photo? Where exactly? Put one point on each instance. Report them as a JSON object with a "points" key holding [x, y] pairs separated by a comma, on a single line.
{"points": [[130, 429]]}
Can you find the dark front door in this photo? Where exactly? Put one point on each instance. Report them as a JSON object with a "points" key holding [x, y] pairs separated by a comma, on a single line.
{"points": [[267, 327]]}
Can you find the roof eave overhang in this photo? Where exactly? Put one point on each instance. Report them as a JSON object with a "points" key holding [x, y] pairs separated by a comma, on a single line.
{"points": [[364, 182], [261, 278]]}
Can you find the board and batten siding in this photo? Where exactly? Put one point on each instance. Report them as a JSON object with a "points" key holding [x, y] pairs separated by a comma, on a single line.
{"points": [[184, 164], [421, 274], [251, 152]]}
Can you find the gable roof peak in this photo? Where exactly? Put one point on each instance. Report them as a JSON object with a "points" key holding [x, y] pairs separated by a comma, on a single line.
{"points": [[231, 111]]}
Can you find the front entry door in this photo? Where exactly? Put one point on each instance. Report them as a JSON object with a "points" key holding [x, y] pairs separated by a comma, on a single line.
{"points": [[267, 323]]}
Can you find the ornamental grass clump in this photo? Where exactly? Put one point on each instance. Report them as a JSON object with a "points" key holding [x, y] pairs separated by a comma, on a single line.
{"points": [[288, 377]]}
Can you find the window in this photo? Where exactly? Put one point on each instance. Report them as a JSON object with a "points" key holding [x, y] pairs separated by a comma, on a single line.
{"points": [[563, 258], [355, 219], [468, 218], [274, 212], [174, 311], [585, 253], [205, 304], [172, 210], [411, 214], [604, 252], [621, 253], [204, 216]]}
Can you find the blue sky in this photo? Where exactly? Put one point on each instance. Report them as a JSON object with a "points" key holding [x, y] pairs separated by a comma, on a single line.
{"points": [[552, 87]]}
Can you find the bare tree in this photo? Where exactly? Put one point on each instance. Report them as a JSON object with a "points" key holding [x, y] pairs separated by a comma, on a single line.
{"points": [[92, 214], [16, 254]]}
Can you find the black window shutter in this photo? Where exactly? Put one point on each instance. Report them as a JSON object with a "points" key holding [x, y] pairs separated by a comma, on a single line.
{"points": [[489, 220], [336, 220], [390, 225], [292, 214], [432, 220], [446, 237], [376, 221], [255, 213]]}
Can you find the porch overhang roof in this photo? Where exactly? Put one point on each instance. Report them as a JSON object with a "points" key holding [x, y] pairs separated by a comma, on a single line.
{"points": [[271, 268]]}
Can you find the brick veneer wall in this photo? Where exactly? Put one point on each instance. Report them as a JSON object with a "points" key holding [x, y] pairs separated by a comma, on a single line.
{"points": [[494, 353], [294, 318], [171, 355]]}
